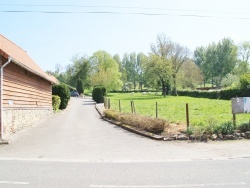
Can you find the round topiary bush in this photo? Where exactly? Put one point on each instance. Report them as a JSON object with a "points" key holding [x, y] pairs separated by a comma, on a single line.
{"points": [[63, 92], [98, 94]]}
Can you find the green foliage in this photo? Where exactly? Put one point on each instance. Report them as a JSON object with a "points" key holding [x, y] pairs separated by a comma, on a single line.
{"points": [[88, 92], [148, 124], [70, 87], [212, 126], [158, 68], [63, 92], [98, 94], [197, 130], [56, 101], [226, 94], [227, 128], [132, 69], [244, 126], [105, 71], [200, 94], [216, 60], [230, 80], [189, 75], [79, 86], [245, 81]]}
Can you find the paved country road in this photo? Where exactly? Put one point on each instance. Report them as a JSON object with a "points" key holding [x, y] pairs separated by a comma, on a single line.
{"points": [[76, 148]]}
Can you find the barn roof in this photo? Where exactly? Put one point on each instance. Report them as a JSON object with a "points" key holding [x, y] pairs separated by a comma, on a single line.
{"points": [[21, 58]]}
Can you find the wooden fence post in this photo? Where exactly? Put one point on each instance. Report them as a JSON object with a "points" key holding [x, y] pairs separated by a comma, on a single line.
{"points": [[156, 110], [187, 115], [108, 103], [134, 107], [120, 106], [105, 102], [131, 104], [234, 120]]}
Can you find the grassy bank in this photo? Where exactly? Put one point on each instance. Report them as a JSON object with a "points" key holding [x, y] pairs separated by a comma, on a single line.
{"points": [[201, 111]]}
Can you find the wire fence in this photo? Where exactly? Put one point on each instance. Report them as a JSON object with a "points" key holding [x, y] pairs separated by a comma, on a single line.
{"points": [[195, 112], [150, 109]]}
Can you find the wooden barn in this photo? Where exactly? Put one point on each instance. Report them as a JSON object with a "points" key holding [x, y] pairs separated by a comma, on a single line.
{"points": [[26, 90]]}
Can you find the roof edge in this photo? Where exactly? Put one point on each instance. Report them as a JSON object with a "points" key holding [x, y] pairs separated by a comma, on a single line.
{"points": [[31, 70]]}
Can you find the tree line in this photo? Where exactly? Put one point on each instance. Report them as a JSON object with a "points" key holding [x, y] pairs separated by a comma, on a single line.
{"points": [[168, 66]]}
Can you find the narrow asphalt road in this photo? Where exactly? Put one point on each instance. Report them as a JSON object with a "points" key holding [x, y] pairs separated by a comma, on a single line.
{"points": [[79, 134], [76, 148]]}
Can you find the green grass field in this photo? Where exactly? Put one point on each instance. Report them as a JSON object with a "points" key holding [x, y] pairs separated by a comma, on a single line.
{"points": [[173, 109]]}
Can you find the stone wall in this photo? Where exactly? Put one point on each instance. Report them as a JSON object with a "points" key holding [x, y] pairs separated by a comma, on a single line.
{"points": [[15, 119]]}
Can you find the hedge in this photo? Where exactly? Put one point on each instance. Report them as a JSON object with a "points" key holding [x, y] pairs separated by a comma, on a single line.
{"points": [[56, 101], [63, 92], [135, 91], [218, 94]]}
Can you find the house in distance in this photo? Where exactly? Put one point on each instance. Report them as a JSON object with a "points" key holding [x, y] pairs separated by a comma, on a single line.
{"points": [[25, 89]]}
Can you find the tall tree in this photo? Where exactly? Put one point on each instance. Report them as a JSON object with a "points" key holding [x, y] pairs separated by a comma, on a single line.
{"points": [[141, 58], [122, 69], [200, 60], [158, 68], [81, 70], [190, 75], [244, 51], [133, 66], [216, 60], [79, 86], [242, 66], [211, 60], [179, 55], [173, 52], [227, 58], [105, 71]]}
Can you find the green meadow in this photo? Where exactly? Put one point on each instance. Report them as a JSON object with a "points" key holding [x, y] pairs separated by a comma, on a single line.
{"points": [[173, 109]]}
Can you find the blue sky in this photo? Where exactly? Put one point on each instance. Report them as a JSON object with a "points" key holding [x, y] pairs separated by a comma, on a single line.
{"points": [[54, 38]]}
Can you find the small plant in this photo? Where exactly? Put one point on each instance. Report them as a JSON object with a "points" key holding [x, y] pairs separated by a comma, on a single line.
{"points": [[56, 101], [212, 126], [189, 131], [227, 128], [245, 126], [197, 130]]}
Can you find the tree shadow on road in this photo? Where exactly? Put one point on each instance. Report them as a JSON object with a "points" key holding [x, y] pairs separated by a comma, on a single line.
{"points": [[89, 103]]}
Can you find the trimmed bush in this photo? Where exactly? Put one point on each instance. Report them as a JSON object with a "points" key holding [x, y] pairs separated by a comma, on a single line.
{"points": [[200, 94], [79, 86], [153, 125], [63, 92], [98, 94], [56, 101], [226, 94]]}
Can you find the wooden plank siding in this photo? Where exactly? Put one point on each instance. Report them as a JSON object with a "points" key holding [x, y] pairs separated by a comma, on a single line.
{"points": [[25, 89]]}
